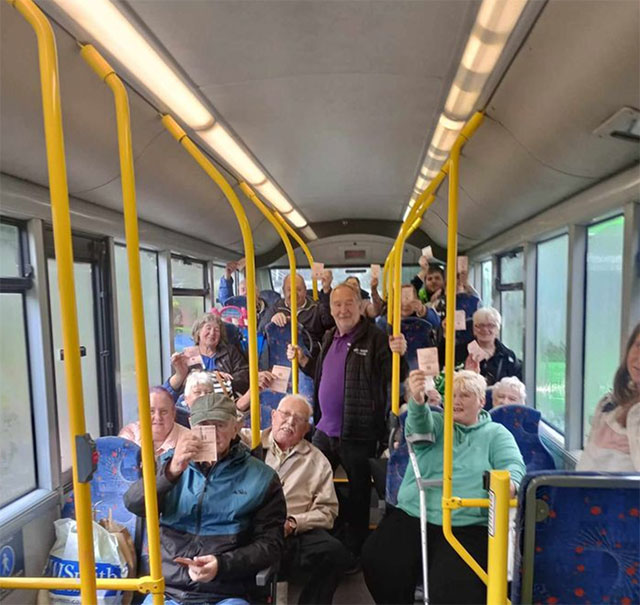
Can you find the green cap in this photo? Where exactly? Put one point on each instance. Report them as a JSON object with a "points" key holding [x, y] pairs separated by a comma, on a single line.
{"points": [[213, 406]]}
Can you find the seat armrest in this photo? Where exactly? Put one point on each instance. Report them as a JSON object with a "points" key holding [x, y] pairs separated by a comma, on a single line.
{"points": [[266, 575]]}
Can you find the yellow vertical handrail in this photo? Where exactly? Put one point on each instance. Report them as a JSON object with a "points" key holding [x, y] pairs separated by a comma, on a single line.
{"points": [[499, 493], [294, 234], [452, 253], [385, 272], [52, 111], [388, 285], [247, 239], [106, 73], [293, 298]]}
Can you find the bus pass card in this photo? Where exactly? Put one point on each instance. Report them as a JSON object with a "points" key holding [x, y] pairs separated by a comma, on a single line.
{"points": [[375, 271], [281, 381], [428, 361], [463, 264], [317, 269], [208, 451], [195, 363], [476, 351], [461, 320], [427, 252]]}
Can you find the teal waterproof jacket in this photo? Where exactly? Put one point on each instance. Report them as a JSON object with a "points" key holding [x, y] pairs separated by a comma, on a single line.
{"points": [[480, 447]]}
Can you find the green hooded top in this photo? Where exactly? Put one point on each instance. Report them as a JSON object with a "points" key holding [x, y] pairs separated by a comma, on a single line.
{"points": [[480, 447]]}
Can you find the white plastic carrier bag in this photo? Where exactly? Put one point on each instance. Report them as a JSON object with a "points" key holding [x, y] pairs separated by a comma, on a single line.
{"points": [[63, 562]]}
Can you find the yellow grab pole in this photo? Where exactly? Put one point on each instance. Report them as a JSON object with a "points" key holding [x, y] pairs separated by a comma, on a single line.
{"points": [[499, 487], [388, 284], [293, 301], [247, 238], [385, 272], [110, 78], [294, 234], [144, 584], [452, 253], [50, 86]]}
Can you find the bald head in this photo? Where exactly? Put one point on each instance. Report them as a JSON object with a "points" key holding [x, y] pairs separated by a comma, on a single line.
{"points": [[301, 289], [290, 422]]}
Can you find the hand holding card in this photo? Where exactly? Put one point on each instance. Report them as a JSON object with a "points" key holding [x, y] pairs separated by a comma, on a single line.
{"points": [[317, 269], [427, 252], [428, 361], [208, 451], [476, 351], [375, 272], [460, 320], [281, 381]]}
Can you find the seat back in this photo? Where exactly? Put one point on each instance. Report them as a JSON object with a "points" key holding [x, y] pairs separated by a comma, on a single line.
{"points": [[418, 332], [119, 465], [271, 297], [523, 422], [579, 538], [236, 301]]}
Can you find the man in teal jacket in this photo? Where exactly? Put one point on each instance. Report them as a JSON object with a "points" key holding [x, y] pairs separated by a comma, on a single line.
{"points": [[391, 557], [220, 521]]}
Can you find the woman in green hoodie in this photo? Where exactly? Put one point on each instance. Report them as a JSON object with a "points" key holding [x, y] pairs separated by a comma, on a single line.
{"points": [[391, 558]]}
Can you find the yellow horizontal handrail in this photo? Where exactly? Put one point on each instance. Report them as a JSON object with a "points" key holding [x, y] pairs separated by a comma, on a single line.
{"points": [[144, 584], [293, 297], [107, 74]]}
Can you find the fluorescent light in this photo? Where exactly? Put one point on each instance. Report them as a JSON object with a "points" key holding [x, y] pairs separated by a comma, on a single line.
{"points": [[479, 57], [421, 183], [309, 233], [296, 218], [500, 16], [227, 148], [434, 154], [275, 198], [444, 138], [461, 102], [110, 28], [450, 124]]}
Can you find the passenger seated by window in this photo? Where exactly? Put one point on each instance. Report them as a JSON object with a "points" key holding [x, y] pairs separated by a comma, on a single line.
{"points": [[212, 353], [351, 376], [164, 428], [212, 547], [391, 557], [614, 440], [313, 316], [509, 391], [501, 361], [312, 505]]}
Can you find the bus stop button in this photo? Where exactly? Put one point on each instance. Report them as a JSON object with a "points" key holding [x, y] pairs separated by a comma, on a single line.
{"points": [[87, 457]]}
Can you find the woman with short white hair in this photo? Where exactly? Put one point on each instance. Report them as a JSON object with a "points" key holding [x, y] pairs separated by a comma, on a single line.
{"points": [[391, 558], [509, 391], [493, 359]]}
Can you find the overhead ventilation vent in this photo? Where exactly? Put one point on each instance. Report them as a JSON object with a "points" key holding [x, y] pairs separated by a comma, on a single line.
{"points": [[624, 124]]}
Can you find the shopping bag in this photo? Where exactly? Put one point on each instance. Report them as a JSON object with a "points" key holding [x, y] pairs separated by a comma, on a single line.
{"points": [[126, 547]]}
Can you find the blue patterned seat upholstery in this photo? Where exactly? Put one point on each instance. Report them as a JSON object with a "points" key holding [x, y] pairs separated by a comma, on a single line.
{"points": [[119, 465], [523, 422], [579, 538], [236, 301], [418, 332], [271, 297]]}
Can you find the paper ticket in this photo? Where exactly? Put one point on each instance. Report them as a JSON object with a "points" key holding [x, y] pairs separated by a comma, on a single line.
{"points": [[476, 351], [429, 384], [463, 264], [281, 381], [461, 320], [427, 252], [375, 271], [428, 361], [195, 363], [208, 451], [316, 270]]}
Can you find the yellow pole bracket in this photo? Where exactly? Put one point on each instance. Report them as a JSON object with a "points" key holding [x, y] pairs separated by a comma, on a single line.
{"points": [[499, 491], [294, 234], [123, 121], [293, 298], [247, 238], [59, 192]]}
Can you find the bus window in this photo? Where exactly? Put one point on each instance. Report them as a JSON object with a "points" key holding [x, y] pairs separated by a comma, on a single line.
{"points": [[551, 329], [486, 283], [190, 287], [603, 301], [511, 277]]}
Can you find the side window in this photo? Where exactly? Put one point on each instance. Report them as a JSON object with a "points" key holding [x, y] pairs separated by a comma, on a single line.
{"points": [[510, 286], [218, 274], [551, 329], [190, 287], [603, 305], [486, 282], [17, 453]]}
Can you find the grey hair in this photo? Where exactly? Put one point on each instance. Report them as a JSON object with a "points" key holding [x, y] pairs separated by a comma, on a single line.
{"points": [[196, 378], [356, 293], [208, 318], [511, 382], [470, 382], [298, 397], [487, 313]]}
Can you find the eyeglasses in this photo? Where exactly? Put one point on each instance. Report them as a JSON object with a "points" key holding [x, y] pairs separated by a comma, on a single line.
{"points": [[486, 326], [293, 418]]}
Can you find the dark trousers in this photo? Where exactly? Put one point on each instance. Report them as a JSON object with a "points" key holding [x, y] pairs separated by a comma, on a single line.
{"points": [[354, 457], [392, 562], [322, 558]]}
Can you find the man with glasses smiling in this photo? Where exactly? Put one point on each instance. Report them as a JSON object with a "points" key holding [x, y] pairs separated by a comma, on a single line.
{"points": [[312, 505]]}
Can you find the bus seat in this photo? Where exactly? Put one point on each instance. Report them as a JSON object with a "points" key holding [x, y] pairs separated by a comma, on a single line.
{"points": [[119, 465], [579, 538], [236, 301], [418, 332], [271, 297], [523, 422]]}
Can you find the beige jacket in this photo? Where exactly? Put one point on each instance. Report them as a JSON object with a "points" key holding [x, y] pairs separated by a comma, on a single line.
{"points": [[307, 481]]}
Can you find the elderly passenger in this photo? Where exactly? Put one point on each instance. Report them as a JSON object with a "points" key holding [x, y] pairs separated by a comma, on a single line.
{"points": [[312, 505], [212, 547], [391, 558], [614, 439], [509, 391], [352, 373], [501, 361], [211, 352], [312, 316], [164, 429]]}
